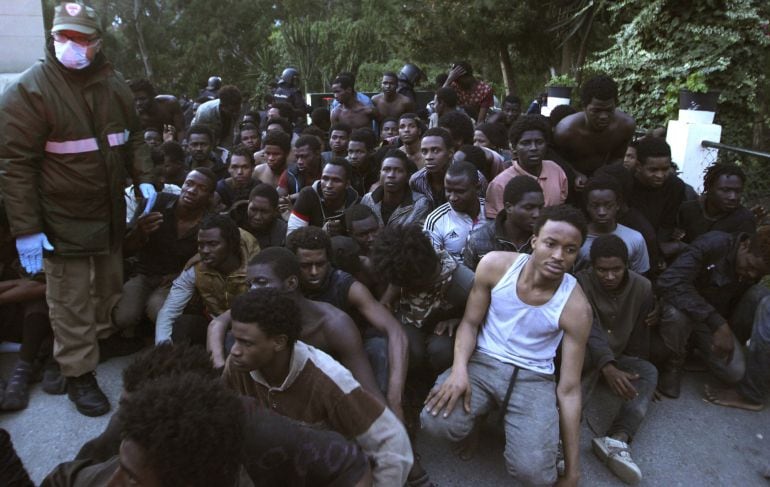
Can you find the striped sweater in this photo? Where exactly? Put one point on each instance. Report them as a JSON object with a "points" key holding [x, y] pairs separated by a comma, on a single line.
{"points": [[319, 391]]}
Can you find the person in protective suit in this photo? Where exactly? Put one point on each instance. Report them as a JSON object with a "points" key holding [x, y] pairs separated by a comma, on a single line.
{"points": [[69, 137], [288, 91], [211, 91], [408, 78]]}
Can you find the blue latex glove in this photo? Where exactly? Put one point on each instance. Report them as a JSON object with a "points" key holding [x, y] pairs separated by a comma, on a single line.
{"points": [[149, 194], [30, 249]]}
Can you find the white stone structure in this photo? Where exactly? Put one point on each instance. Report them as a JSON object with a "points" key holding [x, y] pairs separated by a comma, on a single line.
{"points": [[685, 136], [22, 37]]}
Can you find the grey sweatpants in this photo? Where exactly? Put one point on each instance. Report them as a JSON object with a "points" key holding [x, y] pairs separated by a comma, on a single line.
{"points": [[531, 420]]}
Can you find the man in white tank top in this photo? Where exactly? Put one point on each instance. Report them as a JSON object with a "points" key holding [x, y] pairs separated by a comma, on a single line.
{"points": [[520, 308]]}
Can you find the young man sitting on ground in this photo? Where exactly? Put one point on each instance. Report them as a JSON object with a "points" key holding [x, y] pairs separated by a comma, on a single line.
{"points": [[175, 431], [163, 241], [394, 202], [339, 136], [711, 293], [266, 434], [604, 199], [719, 207], [323, 204], [511, 230], [322, 325], [618, 348], [260, 216], [269, 363], [238, 186], [384, 339], [658, 193], [529, 137], [217, 277], [276, 148], [448, 225], [494, 365], [427, 293]]}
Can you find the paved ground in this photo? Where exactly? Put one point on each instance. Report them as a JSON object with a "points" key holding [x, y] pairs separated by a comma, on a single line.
{"points": [[682, 443]]}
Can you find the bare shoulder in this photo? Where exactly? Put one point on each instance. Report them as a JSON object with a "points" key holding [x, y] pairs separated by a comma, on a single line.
{"points": [[493, 266], [577, 314], [569, 125], [333, 318], [625, 121], [378, 97]]}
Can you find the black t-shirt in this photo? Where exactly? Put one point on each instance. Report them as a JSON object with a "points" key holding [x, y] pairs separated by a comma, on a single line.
{"points": [[310, 206], [229, 194], [361, 182], [334, 290], [166, 252], [658, 205]]}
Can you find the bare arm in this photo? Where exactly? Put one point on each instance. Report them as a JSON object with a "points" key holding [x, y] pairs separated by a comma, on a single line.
{"points": [[215, 338], [389, 297], [398, 356], [374, 114], [344, 342], [21, 290], [335, 116], [482, 114], [453, 74], [626, 127], [488, 273], [576, 321]]}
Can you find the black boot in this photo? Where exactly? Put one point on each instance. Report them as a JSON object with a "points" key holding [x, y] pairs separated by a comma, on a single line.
{"points": [[87, 396], [17, 390]]}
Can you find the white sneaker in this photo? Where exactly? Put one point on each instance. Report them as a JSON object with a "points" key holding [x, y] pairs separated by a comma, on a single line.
{"points": [[615, 454]]}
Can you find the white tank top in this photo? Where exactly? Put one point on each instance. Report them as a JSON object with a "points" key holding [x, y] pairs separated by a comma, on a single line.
{"points": [[517, 333]]}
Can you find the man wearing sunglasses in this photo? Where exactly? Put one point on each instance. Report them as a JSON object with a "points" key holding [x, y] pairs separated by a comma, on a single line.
{"points": [[69, 137]]}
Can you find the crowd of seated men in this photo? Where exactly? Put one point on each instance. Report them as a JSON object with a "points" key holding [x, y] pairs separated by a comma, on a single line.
{"points": [[388, 268]]}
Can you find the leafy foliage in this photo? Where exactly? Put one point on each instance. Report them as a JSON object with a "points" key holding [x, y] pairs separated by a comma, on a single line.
{"points": [[665, 43], [652, 47]]}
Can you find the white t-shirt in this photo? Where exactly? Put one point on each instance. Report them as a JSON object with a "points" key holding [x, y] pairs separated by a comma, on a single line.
{"points": [[638, 258]]}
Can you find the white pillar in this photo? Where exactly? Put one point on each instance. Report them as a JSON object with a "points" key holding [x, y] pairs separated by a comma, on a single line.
{"points": [[551, 103], [22, 37], [685, 139]]}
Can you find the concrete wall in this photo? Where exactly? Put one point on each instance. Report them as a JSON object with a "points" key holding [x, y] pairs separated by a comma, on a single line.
{"points": [[22, 37]]}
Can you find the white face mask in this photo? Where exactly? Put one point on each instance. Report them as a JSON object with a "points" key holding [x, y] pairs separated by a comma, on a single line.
{"points": [[72, 55]]}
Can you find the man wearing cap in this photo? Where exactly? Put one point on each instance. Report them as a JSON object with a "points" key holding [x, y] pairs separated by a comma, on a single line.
{"points": [[69, 138]]}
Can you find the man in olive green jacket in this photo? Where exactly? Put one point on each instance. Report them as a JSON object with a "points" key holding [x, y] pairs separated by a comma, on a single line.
{"points": [[69, 138]]}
